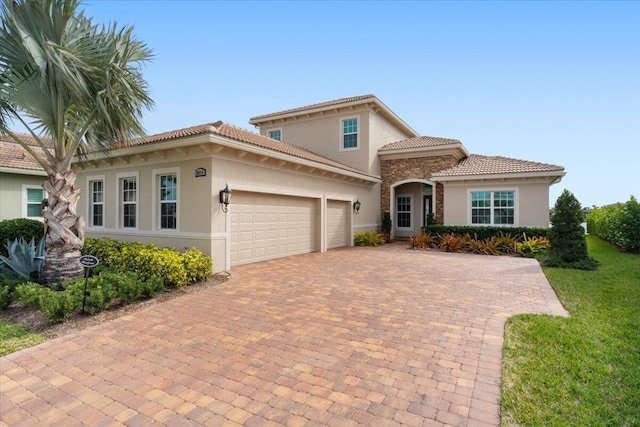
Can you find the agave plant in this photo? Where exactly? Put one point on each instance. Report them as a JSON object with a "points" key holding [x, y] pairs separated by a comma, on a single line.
{"points": [[25, 258]]}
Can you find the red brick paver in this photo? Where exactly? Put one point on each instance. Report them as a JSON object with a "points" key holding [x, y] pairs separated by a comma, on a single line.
{"points": [[358, 336]]}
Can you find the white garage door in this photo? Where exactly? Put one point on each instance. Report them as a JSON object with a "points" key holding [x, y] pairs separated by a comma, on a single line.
{"points": [[265, 226], [337, 221]]}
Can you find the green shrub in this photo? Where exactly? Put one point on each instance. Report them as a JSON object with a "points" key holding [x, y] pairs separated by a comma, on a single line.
{"points": [[568, 247], [57, 305], [128, 285], [100, 292], [369, 238], [484, 232], [197, 265], [6, 296], [29, 294], [173, 267], [532, 245], [618, 224], [153, 286], [12, 229]]}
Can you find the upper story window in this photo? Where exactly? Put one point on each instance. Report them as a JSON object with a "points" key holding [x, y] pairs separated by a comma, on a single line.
{"points": [[129, 191], [32, 197], [349, 134], [168, 201], [493, 207], [96, 213], [275, 134]]}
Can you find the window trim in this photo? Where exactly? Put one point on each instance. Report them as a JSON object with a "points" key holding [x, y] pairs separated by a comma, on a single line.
{"points": [[411, 212], [274, 130], [91, 179], [493, 190], [24, 205], [156, 211], [342, 134], [120, 215]]}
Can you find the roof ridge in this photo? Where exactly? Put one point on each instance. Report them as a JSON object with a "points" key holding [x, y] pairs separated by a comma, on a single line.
{"points": [[315, 105]]}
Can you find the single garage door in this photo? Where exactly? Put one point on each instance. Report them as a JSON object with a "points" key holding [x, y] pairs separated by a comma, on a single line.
{"points": [[265, 226], [337, 221]]}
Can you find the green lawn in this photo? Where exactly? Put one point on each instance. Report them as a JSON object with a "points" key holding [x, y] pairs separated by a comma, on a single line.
{"points": [[583, 370], [15, 337]]}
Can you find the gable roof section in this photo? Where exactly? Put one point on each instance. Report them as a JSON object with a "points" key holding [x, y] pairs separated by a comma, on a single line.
{"points": [[243, 136], [15, 159], [419, 142], [322, 107], [477, 166]]}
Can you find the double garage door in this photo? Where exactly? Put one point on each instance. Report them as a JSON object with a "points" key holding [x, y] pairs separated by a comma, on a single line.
{"points": [[267, 226]]}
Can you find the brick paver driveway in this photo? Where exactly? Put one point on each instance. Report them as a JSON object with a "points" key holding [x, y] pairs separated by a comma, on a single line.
{"points": [[358, 336]]}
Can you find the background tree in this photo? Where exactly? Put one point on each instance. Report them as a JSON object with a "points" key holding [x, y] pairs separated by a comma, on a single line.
{"points": [[566, 237], [77, 84]]}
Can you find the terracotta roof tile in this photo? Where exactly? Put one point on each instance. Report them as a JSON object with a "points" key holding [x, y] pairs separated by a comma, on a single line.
{"points": [[419, 142], [26, 138], [242, 135], [495, 165], [15, 157], [313, 106]]}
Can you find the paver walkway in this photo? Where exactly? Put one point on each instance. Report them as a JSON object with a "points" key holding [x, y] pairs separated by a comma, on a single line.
{"points": [[358, 336]]}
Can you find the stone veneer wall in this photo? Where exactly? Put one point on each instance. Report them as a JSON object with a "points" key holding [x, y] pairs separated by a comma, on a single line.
{"points": [[396, 170]]}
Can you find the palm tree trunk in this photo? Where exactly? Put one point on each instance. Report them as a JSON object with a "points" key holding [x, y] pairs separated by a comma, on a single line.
{"points": [[64, 229]]}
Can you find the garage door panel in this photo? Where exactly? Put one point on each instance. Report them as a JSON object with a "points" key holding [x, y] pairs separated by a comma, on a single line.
{"points": [[271, 226], [337, 224]]}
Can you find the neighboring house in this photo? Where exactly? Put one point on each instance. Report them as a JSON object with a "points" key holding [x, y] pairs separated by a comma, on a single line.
{"points": [[296, 185], [21, 179]]}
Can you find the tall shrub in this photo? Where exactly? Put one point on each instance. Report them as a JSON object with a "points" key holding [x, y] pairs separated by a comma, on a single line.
{"points": [[566, 237], [12, 229], [618, 224]]}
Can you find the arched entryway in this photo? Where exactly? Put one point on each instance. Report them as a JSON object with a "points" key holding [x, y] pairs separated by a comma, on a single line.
{"points": [[412, 205]]}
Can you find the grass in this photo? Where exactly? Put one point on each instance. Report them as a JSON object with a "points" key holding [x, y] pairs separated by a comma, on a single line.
{"points": [[15, 337], [583, 370]]}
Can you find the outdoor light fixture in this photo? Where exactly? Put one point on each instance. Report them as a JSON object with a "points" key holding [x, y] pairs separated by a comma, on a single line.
{"points": [[225, 198], [356, 206]]}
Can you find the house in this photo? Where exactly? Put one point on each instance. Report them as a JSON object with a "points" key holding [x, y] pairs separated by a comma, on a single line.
{"points": [[21, 179], [310, 178]]}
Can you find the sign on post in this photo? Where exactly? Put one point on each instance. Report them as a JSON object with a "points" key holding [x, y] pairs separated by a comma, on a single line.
{"points": [[87, 261]]}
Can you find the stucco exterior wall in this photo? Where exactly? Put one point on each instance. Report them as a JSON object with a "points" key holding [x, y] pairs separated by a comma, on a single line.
{"points": [[322, 135], [11, 194], [201, 222], [532, 201]]}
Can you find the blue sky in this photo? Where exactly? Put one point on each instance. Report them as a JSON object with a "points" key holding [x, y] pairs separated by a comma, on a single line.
{"points": [[555, 82]]}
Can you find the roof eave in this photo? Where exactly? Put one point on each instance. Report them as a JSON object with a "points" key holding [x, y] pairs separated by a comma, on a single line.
{"points": [[431, 150], [20, 171], [551, 174]]}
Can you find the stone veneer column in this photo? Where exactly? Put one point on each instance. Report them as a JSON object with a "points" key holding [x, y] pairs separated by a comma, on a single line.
{"points": [[396, 170]]}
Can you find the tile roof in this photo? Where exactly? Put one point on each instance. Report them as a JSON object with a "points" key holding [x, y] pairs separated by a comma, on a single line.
{"points": [[419, 142], [476, 164], [241, 135], [313, 106], [15, 157]]}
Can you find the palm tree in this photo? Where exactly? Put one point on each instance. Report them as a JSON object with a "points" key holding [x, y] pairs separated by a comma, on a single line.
{"points": [[78, 85]]}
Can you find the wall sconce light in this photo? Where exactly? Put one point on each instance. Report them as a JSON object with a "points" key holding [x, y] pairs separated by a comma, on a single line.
{"points": [[356, 206], [225, 198]]}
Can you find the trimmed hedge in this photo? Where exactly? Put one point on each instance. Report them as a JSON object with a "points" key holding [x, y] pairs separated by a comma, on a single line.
{"points": [[12, 229], [484, 232], [147, 260], [618, 224]]}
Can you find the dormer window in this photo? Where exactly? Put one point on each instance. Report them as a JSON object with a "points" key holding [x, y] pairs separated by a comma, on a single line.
{"points": [[275, 134], [349, 134]]}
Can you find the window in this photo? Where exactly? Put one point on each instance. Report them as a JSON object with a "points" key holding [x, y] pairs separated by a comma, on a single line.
{"points": [[493, 207], [275, 134], [403, 212], [349, 134], [96, 213], [129, 191], [32, 201], [168, 201]]}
